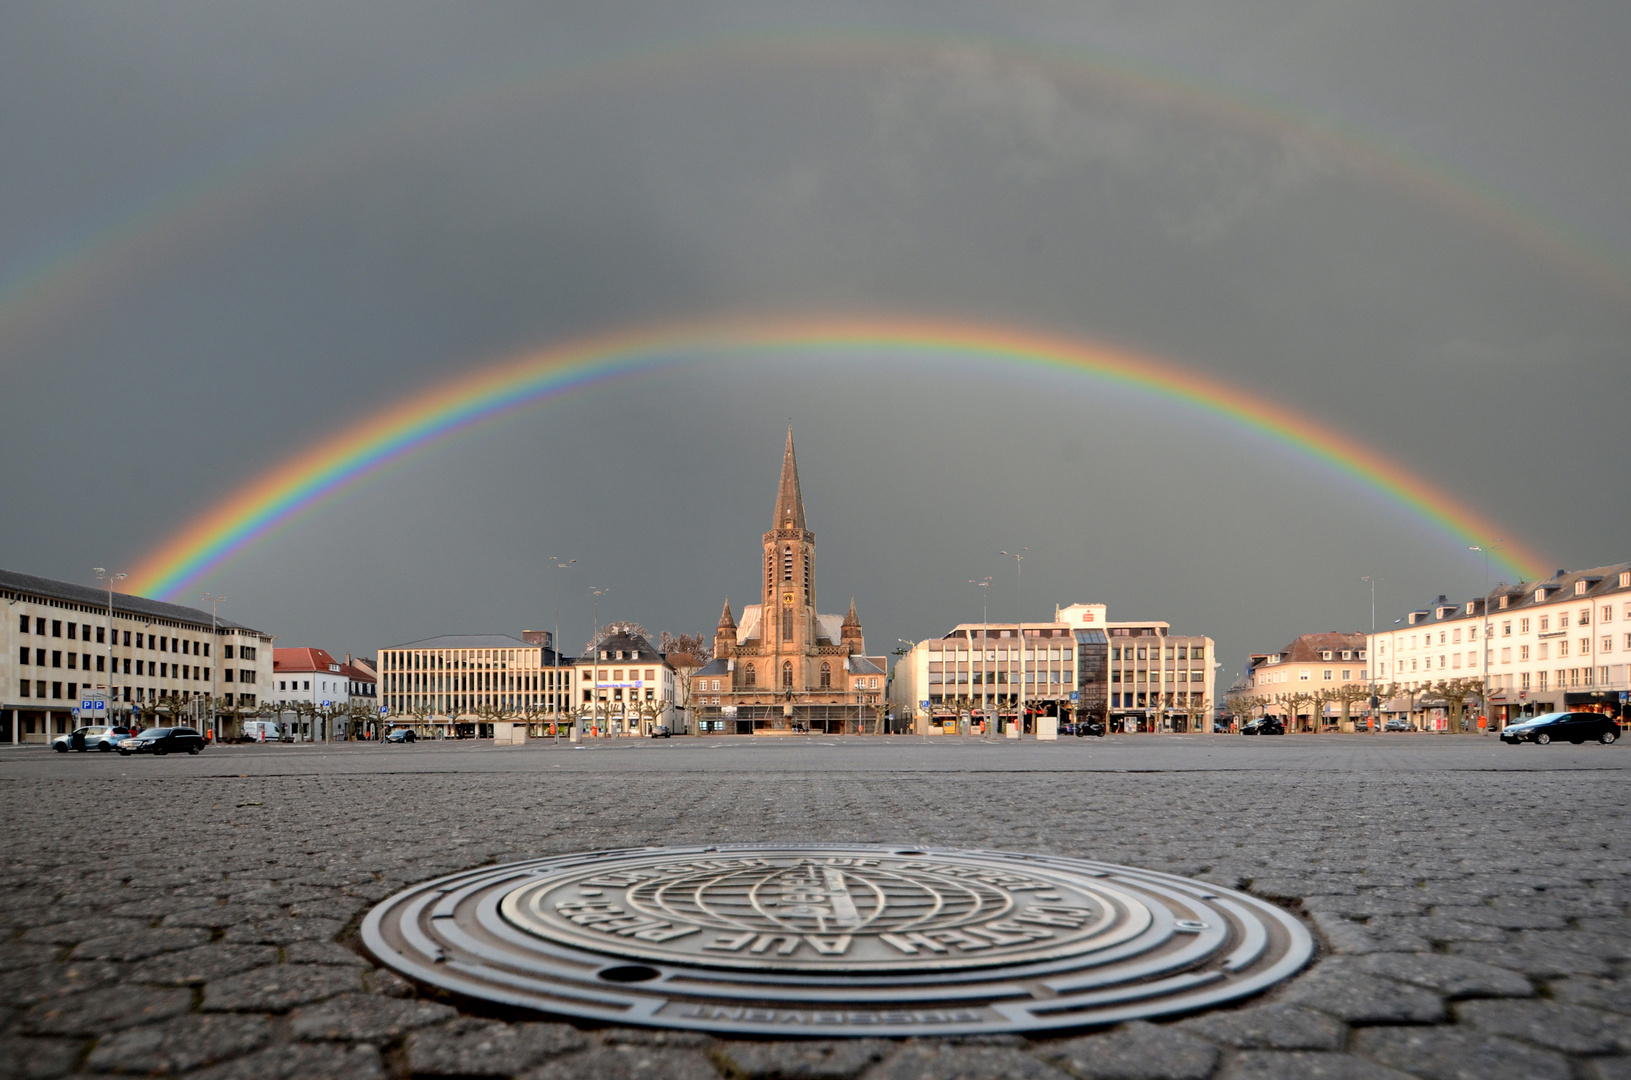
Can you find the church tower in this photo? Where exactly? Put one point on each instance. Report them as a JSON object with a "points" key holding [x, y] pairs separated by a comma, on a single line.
{"points": [[789, 583]]}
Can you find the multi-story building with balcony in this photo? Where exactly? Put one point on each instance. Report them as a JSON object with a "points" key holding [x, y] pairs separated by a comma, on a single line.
{"points": [[1537, 646], [150, 661]]}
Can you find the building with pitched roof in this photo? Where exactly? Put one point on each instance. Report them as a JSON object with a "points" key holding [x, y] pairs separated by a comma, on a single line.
{"points": [[1535, 647], [152, 662], [625, 685], [785, 666], [1311, 663]]}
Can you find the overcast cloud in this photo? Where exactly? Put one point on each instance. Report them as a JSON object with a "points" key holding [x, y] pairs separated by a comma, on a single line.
{"points": [[350, 213]]}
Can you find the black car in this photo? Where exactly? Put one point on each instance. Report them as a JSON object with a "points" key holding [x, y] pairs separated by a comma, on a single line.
{"points": [[163, 740], [1264, 725], [401, 735], [1089, 727], [1574, 727]]}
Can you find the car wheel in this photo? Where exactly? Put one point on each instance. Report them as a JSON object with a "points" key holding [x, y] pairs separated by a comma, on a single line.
{"points": [[104, 748], [194, 750], [1542, 739], [160, 752], [59, 748], [1608, 737]]}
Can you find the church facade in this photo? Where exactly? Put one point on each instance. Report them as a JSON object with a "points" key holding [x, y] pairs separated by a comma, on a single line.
{"points": [[784, 666]]}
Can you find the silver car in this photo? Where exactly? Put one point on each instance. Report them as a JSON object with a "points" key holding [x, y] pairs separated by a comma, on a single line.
{"points": [[96, 737]]}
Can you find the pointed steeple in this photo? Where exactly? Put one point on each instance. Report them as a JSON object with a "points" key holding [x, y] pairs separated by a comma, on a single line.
{"points": [[727, 620], [789, 500], [852, 619]]}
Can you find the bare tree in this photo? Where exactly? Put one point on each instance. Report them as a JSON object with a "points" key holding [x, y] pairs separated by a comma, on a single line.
{"points": [[1456, 693], [1291, 704], [1347, 695], [686, 654]]}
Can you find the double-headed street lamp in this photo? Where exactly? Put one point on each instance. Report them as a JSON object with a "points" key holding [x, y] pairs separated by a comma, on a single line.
{"points": [[985, 643], [594, 700], [556, 687], [214, 600], [1019, 629], [111, 578], [1489, 626]]}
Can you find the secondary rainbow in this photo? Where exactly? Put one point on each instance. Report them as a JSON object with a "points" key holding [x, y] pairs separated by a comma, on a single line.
{"points": [[427, 420]]}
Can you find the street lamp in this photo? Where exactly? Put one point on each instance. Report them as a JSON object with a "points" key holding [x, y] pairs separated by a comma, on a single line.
{"points": [[556, 687], [911, 647], [110, 578], [594, 700], [215, 724], [1019, 628], [1488, 625], [985, 642], [1371, 580]]}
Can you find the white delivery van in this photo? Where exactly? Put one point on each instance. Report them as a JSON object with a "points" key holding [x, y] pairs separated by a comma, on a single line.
{"points": [[261, 731]]}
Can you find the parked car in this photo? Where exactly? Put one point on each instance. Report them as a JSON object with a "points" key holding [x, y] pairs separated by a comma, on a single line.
{"points": [[1263, 725], [90, 737], [163, 740], [1089, 727], [402, 735], [661, 732], [1574, 727], [1397, 724]]}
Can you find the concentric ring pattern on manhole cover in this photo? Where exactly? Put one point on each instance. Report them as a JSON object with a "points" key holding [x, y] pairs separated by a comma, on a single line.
{"points": [[836, 940]]}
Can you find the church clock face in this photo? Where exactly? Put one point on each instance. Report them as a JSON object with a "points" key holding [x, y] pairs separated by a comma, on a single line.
{"points": [[787, 598]]}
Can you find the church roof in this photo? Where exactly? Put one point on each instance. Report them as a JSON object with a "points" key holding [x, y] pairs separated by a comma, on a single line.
{"points": [[852, 619], [727, 621], [864, 665], [789, 500]]}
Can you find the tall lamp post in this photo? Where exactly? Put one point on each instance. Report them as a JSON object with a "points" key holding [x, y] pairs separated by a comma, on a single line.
{"points": [[985, 643], [594, 700], [111, 579], [1484, 550], [1375, 716], [1019, 628], [215, 722], [556, 687], [911, 648]]}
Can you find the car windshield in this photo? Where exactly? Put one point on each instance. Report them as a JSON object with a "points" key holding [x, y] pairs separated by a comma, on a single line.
{"points": [[1543, 718]]}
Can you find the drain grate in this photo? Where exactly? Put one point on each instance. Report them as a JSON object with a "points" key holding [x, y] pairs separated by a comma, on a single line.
{"points": [[843, 939]]}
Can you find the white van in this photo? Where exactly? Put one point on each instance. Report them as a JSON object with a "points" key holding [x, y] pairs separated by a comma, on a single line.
{"points": [[261, 731]]}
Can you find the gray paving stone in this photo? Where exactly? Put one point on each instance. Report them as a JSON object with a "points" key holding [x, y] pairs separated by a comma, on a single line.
{"points": [[627, 1062], [1303, 1065], [322, 952], [180, 1043], [695, 1040], [471, 1047], [1534, 961], [140, 944], [194, 967], [301, 1061], [39, 1059], [386, 983], [73, 931], [1598, 993], [1455, 976], [1364, 905], [1270, 1027], [1352, 996], [1573, 1029], [1353, 938], [366, 1018], [787, 1060], [278, 988], [931, 1061], [1446, 1053], [1136, 1051], [282, 931], [1614, 1068], [25, 986], [18, 955], [98, 1012]]}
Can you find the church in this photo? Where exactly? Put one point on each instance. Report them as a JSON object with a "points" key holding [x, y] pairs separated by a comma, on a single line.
{"points": [[785, 667]]}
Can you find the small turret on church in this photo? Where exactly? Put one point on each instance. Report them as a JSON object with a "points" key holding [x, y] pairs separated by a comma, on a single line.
{"points": [[851, 632], [725, 636]]}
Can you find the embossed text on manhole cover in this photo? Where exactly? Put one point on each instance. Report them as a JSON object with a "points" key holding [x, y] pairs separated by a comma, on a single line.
{"points": [[836, 940]]}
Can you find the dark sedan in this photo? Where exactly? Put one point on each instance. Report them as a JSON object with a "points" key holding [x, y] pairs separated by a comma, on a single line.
{"points": [[1573, 727], [1089, 727], [1264, 725], [164, 740]]}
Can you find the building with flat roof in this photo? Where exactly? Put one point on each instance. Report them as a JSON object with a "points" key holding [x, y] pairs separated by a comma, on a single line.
{"points": [[457, 683], [151, 662]]}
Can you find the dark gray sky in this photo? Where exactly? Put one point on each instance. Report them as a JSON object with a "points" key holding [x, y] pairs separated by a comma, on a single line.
{"points": [[230, 231]]}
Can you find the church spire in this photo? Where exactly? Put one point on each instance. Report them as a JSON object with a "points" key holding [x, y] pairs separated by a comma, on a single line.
{"points": [[789, 500]]}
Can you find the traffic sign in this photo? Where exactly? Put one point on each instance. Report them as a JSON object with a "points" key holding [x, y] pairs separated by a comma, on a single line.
{"points": [[1074, 696], [924, 704], [382, 710]]}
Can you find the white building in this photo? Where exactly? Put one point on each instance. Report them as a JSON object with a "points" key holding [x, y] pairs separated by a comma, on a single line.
{"points": [[144, 657], [625, 686], [1539, 646], [1138, 675], [311, 676], [449, 685]]}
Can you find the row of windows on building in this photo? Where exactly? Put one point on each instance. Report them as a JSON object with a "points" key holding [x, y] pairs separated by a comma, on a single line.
{"points": [[1143, 700], [454, 659], [83, 632], [1307, 675], [163, 669], [53, 691], [1525, 653]]}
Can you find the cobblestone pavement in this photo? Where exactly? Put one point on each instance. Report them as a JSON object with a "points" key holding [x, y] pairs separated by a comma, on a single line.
{"points": [[198, 916]]}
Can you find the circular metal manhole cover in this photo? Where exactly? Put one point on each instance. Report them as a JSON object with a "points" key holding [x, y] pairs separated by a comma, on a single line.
{"points": [[846, 939]]}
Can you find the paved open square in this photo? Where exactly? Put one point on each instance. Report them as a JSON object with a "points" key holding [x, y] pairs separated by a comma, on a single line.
{"points": [[199, 915]]}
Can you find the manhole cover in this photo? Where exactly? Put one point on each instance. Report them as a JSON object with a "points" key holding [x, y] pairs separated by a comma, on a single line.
{"points": [[844, 939]]}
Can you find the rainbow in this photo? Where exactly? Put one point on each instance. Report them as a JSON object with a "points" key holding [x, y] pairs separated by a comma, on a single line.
{"points": [[424, 421], [237, 189]]}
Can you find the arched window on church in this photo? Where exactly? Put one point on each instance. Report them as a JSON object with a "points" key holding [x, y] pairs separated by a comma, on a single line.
{"points": [[787, 563], [750, 677], [787, 674], [826, 675]]}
